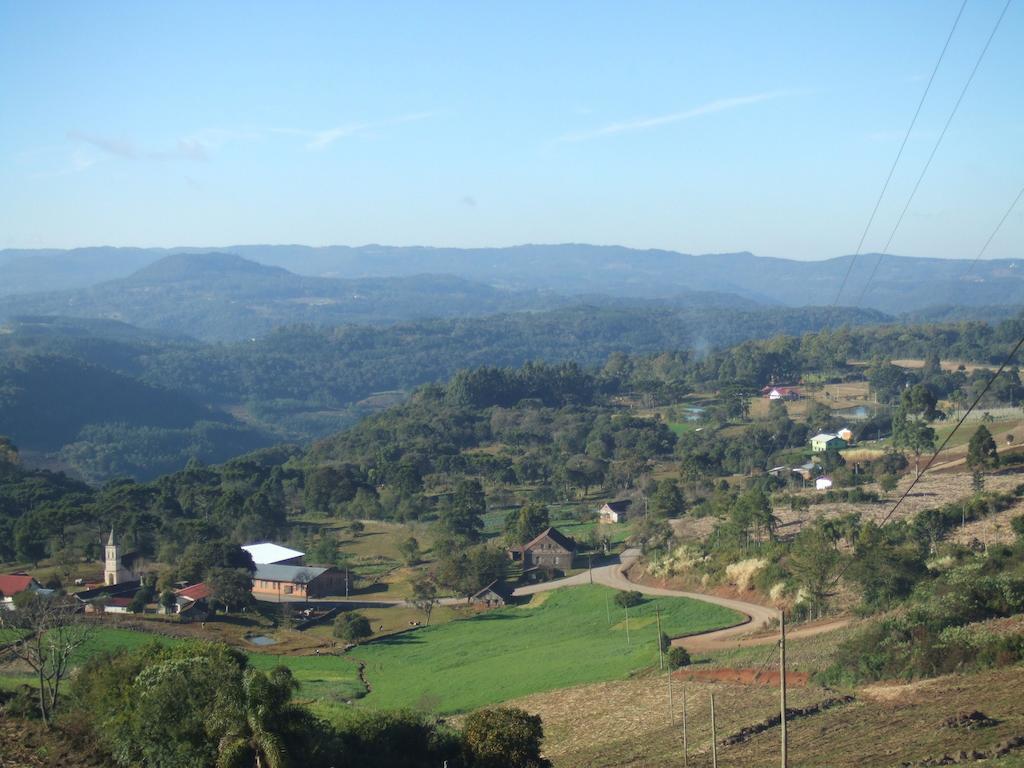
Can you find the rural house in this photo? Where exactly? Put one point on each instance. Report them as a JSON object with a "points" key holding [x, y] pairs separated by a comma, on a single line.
{"points": [[782, 393], [614, 511], [275, 581], [268, 553], [190, 602], [825, 441], [12, 584], [550, 549]]}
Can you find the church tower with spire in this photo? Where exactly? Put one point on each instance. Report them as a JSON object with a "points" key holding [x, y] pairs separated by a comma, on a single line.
{"points": [[114, 571]]}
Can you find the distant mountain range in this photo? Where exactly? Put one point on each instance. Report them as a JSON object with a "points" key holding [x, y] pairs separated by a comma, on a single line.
{"points": [[221, 296], [540, 276]]}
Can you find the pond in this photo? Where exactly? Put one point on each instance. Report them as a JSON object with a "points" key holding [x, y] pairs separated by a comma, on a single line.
{"points": [[261, 640], [857, 413]]}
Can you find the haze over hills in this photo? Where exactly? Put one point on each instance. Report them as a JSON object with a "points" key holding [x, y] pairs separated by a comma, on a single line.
{"points": [[901, 284], [223, 296], [218, 296]]}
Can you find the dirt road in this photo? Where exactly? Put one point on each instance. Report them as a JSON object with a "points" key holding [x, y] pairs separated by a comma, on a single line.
{"points": [[755, 617]]}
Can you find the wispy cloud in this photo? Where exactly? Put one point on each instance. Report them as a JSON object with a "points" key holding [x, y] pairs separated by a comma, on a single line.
{"points": [[78, 162], [646, 123], [319, 140], [119, 147], [196, 147]]}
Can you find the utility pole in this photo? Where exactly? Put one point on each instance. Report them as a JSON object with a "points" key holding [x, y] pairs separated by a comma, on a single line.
{"points": [[686, 751], [661, 652], [714, 734], [782, 685], [671, 706]]}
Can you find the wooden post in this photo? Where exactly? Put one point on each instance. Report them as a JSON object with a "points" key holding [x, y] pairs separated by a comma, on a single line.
{"points": [[661, 653], [686, 751], [714, 734], [671, 706], [627, 625], [608, 609], [782, 685]]}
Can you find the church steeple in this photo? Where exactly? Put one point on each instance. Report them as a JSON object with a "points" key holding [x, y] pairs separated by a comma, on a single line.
{"points": [[112, 570]]}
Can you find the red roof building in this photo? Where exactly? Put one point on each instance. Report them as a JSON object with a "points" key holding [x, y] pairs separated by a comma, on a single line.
{"points": [[196, 592], [13, 583]]}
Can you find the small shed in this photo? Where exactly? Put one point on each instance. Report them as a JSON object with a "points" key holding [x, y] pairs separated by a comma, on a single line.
{"points": [[495, 595], [117, 605], [614, 511]]}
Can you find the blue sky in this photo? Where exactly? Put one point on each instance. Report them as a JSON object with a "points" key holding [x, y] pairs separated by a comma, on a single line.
{"points": [[701, 127]]}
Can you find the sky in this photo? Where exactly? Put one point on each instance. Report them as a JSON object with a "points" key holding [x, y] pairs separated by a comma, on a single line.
{"points": [[695, 126]]}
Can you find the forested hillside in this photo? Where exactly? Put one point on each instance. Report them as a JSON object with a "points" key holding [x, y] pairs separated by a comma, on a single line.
{"points": [[300, 383], [548, 431]]}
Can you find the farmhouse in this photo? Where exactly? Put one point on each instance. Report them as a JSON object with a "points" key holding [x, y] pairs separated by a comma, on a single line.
{"points": [[495, 595], [825, 441], [550, 549], [614, 511], [781, 393], [190, 601], [292, 581], [12, 584], [268, 553]]}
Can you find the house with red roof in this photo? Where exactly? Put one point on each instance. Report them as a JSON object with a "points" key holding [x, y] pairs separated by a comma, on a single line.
{"points": [[12, 584], [191, 601]]}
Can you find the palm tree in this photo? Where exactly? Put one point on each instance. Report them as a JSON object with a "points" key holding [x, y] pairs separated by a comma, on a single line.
{"points": [[252, 737]]}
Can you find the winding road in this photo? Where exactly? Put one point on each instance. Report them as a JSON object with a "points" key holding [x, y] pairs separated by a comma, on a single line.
{"points": [[757, 617]]}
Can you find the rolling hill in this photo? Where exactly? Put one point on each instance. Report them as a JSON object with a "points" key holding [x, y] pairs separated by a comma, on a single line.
{"points": [[900, 284]]}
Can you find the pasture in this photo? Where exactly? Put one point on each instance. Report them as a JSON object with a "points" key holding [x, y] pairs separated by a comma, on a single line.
{"points": [[562, 638]]}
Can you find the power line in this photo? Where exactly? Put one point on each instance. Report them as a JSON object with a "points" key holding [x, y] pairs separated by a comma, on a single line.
{"points": [[899, 154], [935, 149], [765, 664], [995, 231], [903, 496]]}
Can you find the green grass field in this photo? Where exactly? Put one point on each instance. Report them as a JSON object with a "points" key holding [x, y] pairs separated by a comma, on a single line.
{"points": [[561, 639]]}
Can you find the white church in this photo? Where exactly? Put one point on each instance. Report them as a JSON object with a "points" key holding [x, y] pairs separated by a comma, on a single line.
{"points": [[119, 568]]}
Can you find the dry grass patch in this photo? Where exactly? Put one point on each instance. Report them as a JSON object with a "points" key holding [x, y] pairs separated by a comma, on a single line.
{"points": [[628, 722], [892, 724]]}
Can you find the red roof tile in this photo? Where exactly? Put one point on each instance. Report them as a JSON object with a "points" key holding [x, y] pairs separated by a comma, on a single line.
{"points": [[13, 583], [195, 592]]}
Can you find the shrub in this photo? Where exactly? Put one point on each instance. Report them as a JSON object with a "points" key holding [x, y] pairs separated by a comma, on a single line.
{"points": [[678, 657], [628, 599], [742, 573], [352, 627]]}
